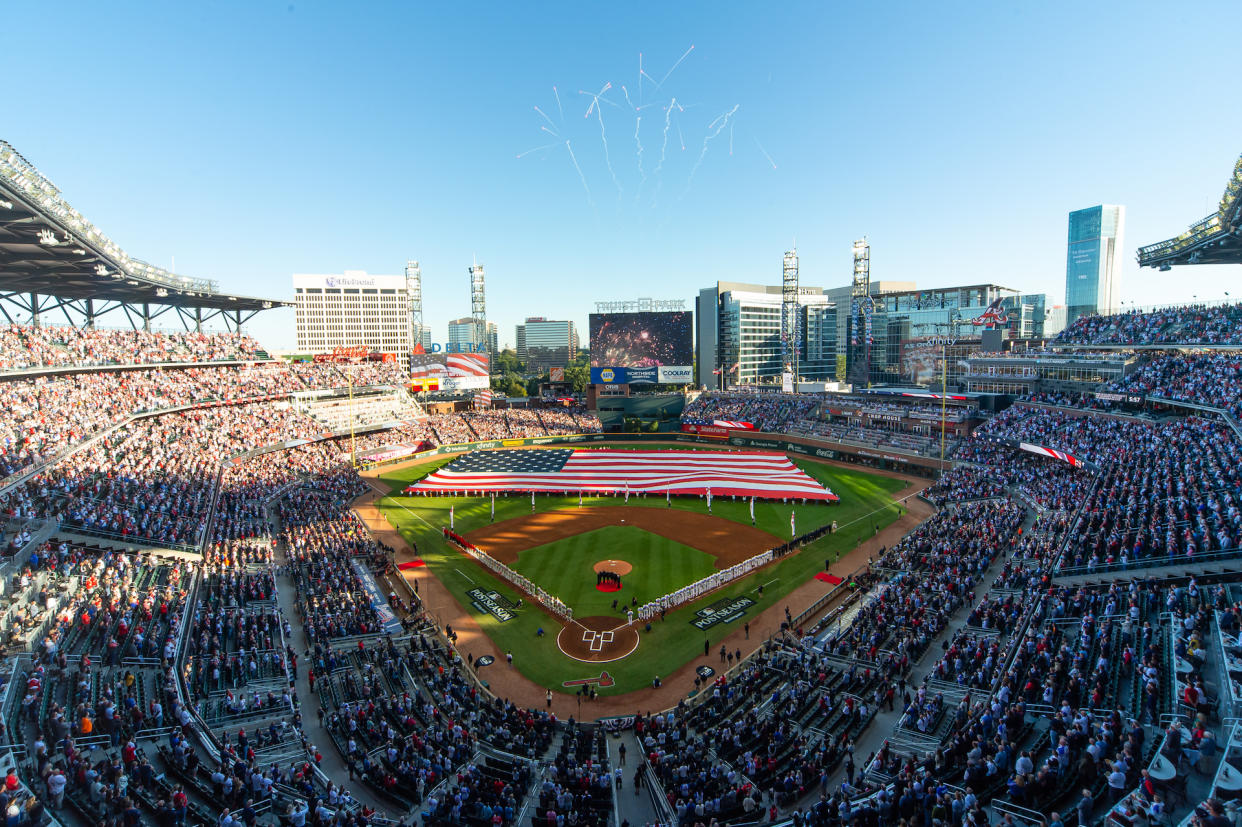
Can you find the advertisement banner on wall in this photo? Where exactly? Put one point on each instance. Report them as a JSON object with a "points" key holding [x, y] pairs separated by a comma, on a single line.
{"points": [[674, 374], [787, 382], [920, 359], [556, 374], [625, 376], [714, 431]]}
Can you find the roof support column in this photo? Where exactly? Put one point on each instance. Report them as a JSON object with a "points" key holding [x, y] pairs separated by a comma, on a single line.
{"points": [[34, 310], [198, 320], [90, 314], [146, 317]]}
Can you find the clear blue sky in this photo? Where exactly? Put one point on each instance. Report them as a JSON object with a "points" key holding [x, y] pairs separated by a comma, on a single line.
{"points": [[254, 140]]}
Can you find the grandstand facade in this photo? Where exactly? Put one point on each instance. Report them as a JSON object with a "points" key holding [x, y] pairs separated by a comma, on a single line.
{"points": [[1216, 239]]}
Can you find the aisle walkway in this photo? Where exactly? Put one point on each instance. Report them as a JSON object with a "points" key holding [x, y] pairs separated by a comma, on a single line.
{"points": [[636, 809], [333, 765], [884, 724]]}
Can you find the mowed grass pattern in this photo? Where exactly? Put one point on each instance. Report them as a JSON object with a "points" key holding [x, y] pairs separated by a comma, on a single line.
{"points": [[866, 505], [566, 568]]}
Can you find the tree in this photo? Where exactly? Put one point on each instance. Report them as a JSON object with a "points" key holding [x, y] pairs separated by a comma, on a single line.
{"points": [[579, 376], [506, 361], [510, 384]]}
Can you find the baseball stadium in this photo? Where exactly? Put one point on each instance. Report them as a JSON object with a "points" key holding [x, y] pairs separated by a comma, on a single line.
{"points": [[768, 554]]}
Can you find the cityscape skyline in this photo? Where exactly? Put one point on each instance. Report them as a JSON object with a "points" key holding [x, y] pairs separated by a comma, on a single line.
{"points": [[941, 137]]}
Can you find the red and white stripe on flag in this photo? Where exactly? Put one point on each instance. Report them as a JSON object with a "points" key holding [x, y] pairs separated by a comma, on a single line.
{"points": [[483, 399], [734, 424], [732, 473], [1050, 452]]}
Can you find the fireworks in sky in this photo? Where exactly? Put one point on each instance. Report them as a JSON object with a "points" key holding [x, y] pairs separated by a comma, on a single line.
{"points": [[644, 180]]}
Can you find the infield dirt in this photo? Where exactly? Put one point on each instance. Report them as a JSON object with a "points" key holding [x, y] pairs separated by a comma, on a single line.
{"points": [[729, 542]]}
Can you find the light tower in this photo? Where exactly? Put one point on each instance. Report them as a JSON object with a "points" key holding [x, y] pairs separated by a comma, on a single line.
{"points": [[789, 315], [478, 306], [414, 297], [860, 315]]}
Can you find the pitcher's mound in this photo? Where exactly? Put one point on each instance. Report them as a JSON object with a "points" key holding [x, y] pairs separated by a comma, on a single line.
{"points": [[597, 639], [618, 567]]}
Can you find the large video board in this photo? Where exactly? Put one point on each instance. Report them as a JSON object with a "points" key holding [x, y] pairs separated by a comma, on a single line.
{"points": [[642, 348], [454, 371]]}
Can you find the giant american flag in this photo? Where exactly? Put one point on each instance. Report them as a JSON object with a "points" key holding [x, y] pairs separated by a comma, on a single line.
{"points": [[564, 470]]}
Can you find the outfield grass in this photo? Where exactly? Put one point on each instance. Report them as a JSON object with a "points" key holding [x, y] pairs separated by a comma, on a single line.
{"points": [[565, 568], [866, 505]]}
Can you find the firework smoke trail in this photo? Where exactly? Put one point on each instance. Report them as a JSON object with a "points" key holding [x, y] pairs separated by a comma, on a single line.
{"points": [[558, 103], [581, 177], [681, 138], [603, 136], [668, 114], [638, 121], [675, 65], [536, 149], [723, 121], [626, 92], [765, 153], [545, 117], [551, 132]]}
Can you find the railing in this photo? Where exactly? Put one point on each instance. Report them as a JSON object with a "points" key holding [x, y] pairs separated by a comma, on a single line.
{"points": [[1006, 808], [1155, 561]]}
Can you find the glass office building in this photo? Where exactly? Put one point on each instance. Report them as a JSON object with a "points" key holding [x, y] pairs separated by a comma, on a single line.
{"points": [[1093, 261]]}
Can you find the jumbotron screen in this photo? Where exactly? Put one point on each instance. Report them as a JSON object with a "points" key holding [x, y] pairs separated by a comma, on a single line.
{"points": [[642, 348]]}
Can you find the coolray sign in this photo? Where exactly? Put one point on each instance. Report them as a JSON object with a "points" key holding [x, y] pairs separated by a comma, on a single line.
{"points": [[674, 374], [492, 603], [725, 610]]}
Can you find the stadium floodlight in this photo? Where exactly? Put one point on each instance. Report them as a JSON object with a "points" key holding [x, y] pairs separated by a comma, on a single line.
{"points": [[48, 238], [8, 205], [101, 270]]}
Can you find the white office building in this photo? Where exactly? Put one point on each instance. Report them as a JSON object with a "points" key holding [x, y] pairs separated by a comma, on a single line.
{"points": [[350, 310]]}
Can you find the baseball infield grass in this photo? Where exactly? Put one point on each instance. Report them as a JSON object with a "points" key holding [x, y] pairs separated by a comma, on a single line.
{"points": [[565, 568], [866, 506]]}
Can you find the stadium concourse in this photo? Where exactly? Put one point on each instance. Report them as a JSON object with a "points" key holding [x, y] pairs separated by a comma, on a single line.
{"points": [[200, 627]]}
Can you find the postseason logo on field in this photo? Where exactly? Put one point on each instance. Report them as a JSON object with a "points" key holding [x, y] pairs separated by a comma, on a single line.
{"points": [[725, 610], [492, 603]]}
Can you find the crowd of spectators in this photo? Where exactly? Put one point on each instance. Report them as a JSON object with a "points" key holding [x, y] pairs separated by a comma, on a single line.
{"points": [[765, 411], [935, 568], [1196, 324], [963, 482], [23, 347], [1213, 379]]}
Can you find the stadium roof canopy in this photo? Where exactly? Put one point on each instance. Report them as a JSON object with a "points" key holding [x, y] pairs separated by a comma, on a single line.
{"points": [[1216, 239], [52, 258]]}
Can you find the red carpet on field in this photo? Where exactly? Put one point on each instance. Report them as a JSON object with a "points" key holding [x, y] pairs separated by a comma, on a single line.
{"points": [[412, 564], [608, 587], [829, 578]]}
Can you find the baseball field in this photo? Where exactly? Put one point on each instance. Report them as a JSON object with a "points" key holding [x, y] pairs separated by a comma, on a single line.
{"points": [[651, 546]]}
